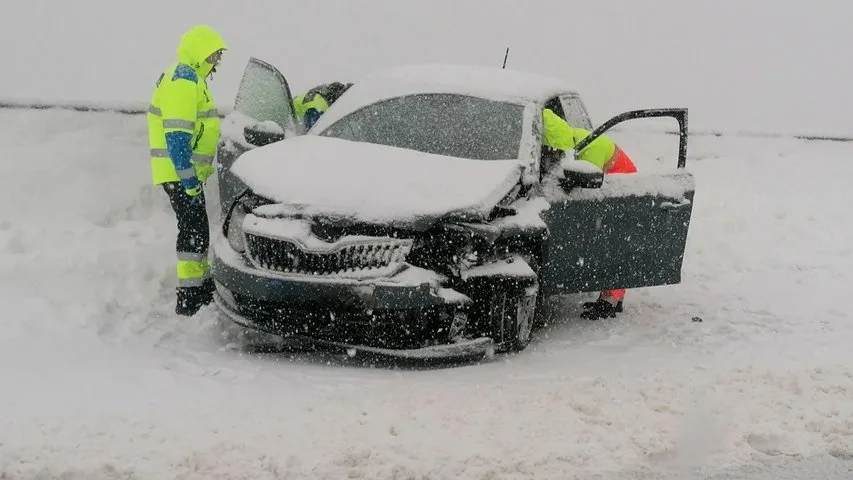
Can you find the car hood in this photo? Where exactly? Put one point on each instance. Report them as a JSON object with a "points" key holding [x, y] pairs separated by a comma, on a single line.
{"points": [[368, 183]]}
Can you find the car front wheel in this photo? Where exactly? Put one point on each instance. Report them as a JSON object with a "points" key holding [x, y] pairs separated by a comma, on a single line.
{"points": [[508, 313]]}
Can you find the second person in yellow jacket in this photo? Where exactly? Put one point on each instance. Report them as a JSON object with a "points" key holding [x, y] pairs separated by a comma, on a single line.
{"points": [[311, 105], [606, 155]]}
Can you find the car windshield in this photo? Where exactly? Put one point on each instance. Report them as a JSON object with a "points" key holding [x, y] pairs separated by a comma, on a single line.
{"points": [[445, 124]]}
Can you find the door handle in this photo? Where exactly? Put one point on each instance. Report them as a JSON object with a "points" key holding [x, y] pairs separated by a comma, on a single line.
{"points": [[684, 202]]}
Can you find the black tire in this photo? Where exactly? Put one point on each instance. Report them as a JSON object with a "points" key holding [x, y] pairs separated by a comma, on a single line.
{"points": [[522, 322], [539, 319], [508, 310]]}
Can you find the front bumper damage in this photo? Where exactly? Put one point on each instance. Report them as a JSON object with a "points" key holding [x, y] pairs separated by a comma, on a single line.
{"points": [[407, 315], [462, 349]]}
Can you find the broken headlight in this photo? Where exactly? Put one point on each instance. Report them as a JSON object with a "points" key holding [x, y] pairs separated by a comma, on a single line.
{"points": [[468, 253], [453, 248]]}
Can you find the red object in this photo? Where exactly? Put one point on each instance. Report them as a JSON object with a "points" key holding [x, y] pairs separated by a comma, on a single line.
{"points": [[621, 163], [613, 296]]}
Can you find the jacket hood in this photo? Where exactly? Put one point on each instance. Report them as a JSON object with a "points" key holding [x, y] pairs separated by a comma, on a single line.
{"points": [[196, 45]]}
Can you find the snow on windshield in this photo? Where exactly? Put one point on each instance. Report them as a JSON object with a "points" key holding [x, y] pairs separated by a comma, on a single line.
{"points": [[443, 124]]}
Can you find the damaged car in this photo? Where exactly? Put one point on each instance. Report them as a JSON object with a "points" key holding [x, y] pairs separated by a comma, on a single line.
{"points": [[421, 216]]}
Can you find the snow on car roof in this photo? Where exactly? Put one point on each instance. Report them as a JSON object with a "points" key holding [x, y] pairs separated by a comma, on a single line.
{"points": [[476, 78], [488, 82]]}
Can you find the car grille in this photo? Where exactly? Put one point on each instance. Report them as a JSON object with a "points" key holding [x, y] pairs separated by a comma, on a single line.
{"points": [[287, 257]]}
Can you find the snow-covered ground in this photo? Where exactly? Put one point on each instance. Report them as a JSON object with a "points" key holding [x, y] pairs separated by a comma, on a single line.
{"points": [[101, 381]]}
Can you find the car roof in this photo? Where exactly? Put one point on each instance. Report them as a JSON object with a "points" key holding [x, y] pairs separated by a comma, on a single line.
{"points": [[482, 81]]}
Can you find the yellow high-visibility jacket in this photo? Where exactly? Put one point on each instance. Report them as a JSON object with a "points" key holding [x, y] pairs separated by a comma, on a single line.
{"points": [[556, 133], [183, 124], [311, 105]]}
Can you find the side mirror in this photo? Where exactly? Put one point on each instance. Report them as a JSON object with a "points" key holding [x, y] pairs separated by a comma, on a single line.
{"points": [[264, 133], [581, 174]]}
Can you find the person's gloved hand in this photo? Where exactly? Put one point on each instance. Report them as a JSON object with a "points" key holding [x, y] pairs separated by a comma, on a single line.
{"points": [[311, 116], [192, 186], [203, 170], [196, 196]]}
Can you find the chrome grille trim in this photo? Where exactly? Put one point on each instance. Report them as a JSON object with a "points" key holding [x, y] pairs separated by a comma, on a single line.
{"points": [[345, 256]]}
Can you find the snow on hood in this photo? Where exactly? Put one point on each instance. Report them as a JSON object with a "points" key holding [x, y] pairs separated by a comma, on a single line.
{"points": [[364, 182]]}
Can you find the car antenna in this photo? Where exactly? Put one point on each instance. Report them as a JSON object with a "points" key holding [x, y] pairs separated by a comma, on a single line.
{"points": [[505, 57]]}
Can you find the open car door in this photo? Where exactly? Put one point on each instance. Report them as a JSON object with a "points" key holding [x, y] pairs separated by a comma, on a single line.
{"points": [[264, 109], [621, 231], [264, 96]]}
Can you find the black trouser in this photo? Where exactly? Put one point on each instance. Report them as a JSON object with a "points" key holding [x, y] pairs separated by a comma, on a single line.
{"points": [[193, 239]]}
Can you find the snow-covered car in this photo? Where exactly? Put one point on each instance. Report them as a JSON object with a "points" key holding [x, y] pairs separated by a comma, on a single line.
{"points": [[421, 215]]}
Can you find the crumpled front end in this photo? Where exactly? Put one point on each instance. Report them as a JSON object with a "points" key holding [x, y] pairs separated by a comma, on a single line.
{"points": [[277, 275], [376, 286]]}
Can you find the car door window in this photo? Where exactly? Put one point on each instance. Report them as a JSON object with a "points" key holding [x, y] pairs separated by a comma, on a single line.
{"points": [[575, 112], [264, 96]]}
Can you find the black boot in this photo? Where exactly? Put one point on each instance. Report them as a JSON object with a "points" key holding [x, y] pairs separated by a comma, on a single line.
{"points": [[191, 299], [207, 289], [601, 308]]}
